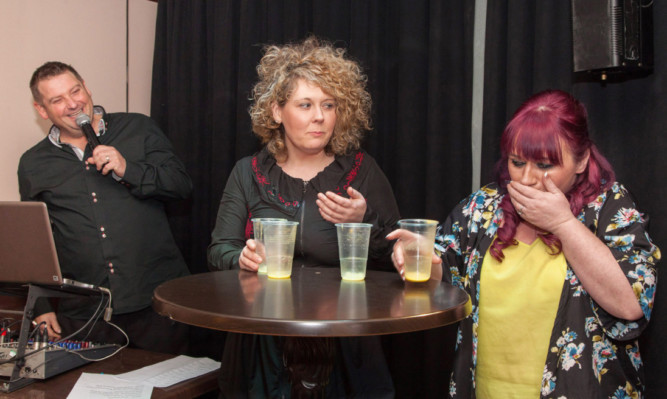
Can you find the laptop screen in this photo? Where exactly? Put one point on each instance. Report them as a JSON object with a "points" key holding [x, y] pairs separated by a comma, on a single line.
{"points": [[27, 251]]}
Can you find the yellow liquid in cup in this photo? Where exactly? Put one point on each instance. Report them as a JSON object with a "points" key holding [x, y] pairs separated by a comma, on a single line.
{"points": [[353, 268], [417, 266], [279, 266]]}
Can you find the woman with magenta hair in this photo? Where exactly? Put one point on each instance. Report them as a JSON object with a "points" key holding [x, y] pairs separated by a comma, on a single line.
{"points": [[558, 264]]}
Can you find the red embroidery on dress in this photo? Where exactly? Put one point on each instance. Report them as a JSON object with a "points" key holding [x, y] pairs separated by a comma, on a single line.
{"points": [[260, 177], [358, 160], [265, 181]]}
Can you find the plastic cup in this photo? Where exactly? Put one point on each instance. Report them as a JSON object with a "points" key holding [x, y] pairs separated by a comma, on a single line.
{"points": [[259, 239], [353, 249], [279, 237], [418, 249]]}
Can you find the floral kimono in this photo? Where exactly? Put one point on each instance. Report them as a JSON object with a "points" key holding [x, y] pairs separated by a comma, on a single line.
{"points": [[591, 353]]}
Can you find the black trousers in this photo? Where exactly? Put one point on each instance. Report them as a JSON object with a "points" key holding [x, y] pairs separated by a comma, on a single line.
{"points": [[146, 330]]}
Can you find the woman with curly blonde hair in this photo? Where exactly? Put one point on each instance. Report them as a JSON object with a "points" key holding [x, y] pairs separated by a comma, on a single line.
{"points": [[310, 110], [324, 66]]}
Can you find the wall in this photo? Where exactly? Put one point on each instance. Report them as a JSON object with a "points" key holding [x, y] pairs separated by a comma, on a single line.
{"points": [[109, 42]]}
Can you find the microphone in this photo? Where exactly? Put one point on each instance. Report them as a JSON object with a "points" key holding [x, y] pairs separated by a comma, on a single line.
{"points": [[83, 121]]}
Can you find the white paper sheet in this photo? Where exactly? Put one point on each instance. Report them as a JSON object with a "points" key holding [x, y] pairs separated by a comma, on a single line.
{"points": [[171, 371], [139, 384], [106, 386]]}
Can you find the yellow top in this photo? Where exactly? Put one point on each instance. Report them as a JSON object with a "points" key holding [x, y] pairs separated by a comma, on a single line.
{"points": [[518, 300]]}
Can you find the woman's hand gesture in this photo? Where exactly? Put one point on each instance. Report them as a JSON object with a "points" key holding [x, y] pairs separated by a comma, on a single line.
{"points": [[337, 209]]}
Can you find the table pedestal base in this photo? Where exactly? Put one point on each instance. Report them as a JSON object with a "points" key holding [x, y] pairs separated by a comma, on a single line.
{"points": [[309, 362]]}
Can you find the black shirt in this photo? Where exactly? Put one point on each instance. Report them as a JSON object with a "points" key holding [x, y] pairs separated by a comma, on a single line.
{"points": [[108, 232]]}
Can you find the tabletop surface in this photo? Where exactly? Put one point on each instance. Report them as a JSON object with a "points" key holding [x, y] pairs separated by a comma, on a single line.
{"points": [[313, 302]]}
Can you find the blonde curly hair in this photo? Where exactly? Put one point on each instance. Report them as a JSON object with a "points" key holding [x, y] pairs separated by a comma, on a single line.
{"points": [[317, 62]]}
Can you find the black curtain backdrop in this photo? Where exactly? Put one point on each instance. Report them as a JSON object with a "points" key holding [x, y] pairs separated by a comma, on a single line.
{"points": [[418, 57]]}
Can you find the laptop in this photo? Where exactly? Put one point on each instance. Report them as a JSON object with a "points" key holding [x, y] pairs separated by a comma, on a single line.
{"points": [[27, 250]]}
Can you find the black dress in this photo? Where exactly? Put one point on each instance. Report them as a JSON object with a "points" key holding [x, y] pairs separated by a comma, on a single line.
{"points": [[254, 366]]}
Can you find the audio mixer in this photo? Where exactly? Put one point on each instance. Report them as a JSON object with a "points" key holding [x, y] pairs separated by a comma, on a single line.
{"points": [[42, 360]]}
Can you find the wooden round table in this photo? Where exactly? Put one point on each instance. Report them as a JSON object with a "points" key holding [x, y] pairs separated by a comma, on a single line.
{"points": [[314, 302]]}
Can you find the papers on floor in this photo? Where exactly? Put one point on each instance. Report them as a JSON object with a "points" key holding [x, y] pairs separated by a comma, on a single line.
{"points": [[139, 384]]}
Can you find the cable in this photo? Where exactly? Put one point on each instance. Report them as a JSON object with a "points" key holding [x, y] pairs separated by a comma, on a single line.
{"points": [[104, 306], [109, 310], [95, 316]]}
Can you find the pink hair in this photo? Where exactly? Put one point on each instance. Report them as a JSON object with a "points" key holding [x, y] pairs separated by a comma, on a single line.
{"points": [[536, 132]]}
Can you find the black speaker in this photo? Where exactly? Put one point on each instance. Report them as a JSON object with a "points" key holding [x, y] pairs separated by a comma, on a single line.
{"points": [[612, 36]]}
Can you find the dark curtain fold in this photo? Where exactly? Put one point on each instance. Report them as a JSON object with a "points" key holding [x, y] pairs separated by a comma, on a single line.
{"points": [[418, 58]]}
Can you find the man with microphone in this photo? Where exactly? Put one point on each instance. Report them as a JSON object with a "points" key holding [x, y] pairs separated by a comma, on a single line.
{"points": [[105, 178]]}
